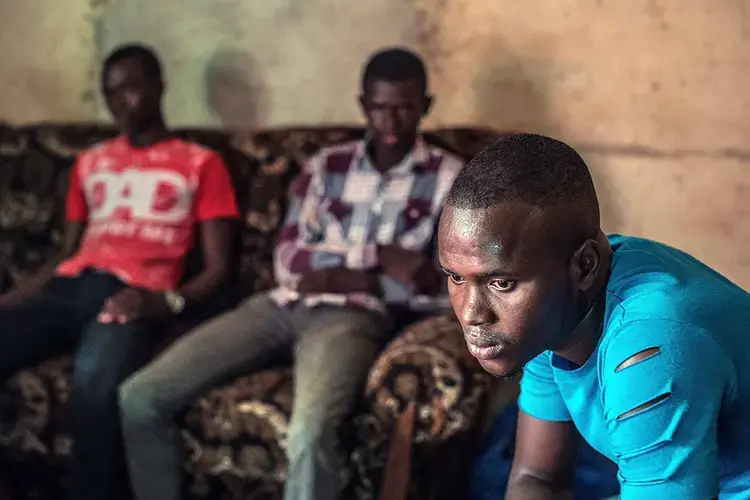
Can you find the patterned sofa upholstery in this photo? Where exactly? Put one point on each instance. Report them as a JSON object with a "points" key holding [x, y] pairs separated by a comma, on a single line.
{"points": [[234, 435]]}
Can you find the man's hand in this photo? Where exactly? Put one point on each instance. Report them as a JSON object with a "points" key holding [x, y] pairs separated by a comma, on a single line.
{"points": [[410, 267], [6, 300], [399, 262], [338, 280], [132, 304]]}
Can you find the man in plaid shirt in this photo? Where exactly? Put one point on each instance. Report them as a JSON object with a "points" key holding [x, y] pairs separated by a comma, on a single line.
{"points": [[355, 252], [361, 236]]}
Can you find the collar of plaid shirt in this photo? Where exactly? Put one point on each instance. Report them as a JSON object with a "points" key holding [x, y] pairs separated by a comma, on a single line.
{"points": [[416, 158]]}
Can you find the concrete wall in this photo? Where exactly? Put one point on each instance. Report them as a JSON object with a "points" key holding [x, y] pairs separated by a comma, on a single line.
{"points": [[47, 60], [652, 92]]}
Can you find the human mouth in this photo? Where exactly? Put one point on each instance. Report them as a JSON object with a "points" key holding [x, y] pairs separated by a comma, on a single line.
{"points": [[485, 352], [390, 140]]}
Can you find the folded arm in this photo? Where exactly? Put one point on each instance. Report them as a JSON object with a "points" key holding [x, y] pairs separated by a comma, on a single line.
{"points": [[312, 256], [304, 261]]}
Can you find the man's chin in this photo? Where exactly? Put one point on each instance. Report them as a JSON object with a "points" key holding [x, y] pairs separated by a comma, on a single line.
{"points": [[501, 369], [395, 143]]}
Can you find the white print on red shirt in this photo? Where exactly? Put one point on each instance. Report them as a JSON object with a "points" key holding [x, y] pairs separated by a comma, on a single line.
{"points": [[138, 203], [140, 207]]}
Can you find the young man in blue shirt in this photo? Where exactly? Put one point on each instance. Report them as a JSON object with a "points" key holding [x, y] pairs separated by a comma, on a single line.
{"points": [[634, 345]]}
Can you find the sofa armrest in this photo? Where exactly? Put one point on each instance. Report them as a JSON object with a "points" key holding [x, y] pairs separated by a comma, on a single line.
{"points": [[425, 390], [428, 365]]}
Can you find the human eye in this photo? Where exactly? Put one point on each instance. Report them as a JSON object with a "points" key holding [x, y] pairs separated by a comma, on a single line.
{"points": [[503, 285], [455, 278]]}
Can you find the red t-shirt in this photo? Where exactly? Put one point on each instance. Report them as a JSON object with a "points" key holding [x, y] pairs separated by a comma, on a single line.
{"points": [[141, 206]]}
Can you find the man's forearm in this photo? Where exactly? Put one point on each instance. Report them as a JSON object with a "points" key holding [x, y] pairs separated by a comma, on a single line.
{"points": [[415, 269], [339, 280], [351, 281], [204, 285], [292, 260], [71, 240], [30, 285], [531, 488]]}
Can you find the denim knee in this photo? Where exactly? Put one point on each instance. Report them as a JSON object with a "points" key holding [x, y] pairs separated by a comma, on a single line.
{"points": [[93, 384]]}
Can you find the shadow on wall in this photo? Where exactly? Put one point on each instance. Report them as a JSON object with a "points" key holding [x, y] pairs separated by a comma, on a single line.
{"points": [[512, 94], [235, 91]]}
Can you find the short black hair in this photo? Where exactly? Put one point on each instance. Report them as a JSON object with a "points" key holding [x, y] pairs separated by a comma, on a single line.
{"points": [[395, 64], [532, 169], [143, 53]]}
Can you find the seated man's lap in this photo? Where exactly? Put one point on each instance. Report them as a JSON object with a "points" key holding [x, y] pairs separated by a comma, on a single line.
{"points": [[61, 318], [334, 352], [108, 353], [33, 331]]}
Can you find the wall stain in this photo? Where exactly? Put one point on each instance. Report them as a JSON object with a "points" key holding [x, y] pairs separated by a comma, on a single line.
{"points": [[429, 32], [94, 19]]}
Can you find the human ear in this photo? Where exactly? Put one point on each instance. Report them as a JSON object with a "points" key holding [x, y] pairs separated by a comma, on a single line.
{"points": [[585, 264], [427, 104]]}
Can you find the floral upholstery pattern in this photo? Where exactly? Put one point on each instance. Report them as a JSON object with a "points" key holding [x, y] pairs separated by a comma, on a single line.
{"points": [[234, 435]]}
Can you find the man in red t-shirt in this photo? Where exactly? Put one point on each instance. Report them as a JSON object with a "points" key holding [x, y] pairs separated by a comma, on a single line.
{"points": [[133, 206]]}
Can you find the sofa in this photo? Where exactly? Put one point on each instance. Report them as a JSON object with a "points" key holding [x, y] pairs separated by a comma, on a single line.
{"points": [[415, 427]]}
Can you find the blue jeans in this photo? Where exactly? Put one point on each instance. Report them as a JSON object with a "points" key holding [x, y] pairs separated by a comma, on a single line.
{"points": [[62, 318]]}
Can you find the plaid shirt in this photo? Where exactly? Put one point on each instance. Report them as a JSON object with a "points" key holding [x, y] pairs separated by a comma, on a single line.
{"points": [[342, 209]]}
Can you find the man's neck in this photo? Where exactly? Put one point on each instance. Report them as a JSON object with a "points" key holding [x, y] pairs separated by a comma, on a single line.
{"points": [[149, 135], [586, 335], [385, 158]]}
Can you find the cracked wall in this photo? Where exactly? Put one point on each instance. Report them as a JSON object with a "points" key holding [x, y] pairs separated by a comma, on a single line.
{"points": [[652, 92]]}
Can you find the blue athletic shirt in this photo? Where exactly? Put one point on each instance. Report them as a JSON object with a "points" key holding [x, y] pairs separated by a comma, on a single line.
{"points": [[677, 423]]}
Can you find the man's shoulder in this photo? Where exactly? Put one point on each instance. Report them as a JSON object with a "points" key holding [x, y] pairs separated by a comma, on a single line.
{"points": [[198, 153], [651, 280], [104, 148], [334, 159], [184, 156], [444, 159], [445, 166], [343, 148], [100, 155], [347, 149]]}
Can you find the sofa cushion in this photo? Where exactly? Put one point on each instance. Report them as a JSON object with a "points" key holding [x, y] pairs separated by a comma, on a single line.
{"points": [[429, 366], [235, 436]]}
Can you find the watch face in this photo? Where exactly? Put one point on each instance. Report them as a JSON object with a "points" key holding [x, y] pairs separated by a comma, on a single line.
{"points": [[175, 302]]}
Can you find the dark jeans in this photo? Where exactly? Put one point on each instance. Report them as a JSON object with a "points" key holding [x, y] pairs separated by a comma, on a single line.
{"points": [[62, 318]]}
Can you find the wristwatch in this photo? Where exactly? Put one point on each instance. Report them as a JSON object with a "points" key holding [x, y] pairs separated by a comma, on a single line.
{"points": [[175, 301]]}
